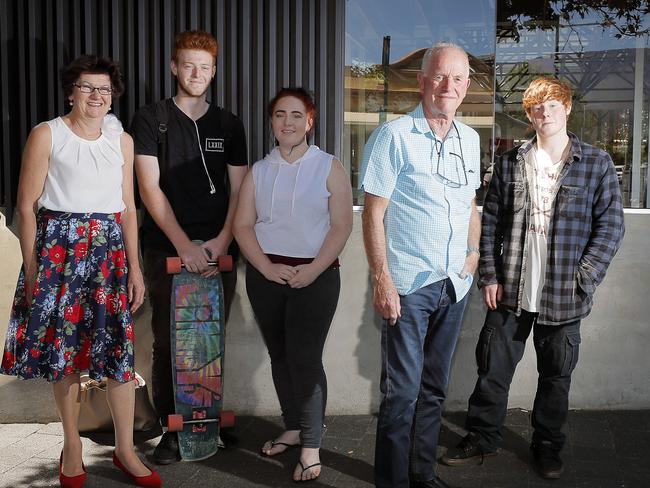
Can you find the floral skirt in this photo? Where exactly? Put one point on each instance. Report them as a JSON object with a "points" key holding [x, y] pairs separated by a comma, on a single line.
{"points": [[78, 318]]}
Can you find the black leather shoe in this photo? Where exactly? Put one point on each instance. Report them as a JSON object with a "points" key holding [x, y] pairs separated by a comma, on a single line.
{"points": [[434, 483], [468, 451], [166, 452], [547, 460]]}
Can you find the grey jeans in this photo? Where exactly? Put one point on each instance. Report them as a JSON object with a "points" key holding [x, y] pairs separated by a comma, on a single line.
{"points": [[294, 324]]}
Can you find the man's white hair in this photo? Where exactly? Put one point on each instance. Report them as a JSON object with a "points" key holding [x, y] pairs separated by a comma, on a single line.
{"points": [[436, 49]]}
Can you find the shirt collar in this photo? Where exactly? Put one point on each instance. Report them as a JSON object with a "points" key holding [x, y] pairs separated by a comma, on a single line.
{"points": [[575, 151], [421, 125]]}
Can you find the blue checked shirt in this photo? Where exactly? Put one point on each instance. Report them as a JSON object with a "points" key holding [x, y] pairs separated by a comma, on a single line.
{"points": [[584, 234], [426, 220]]}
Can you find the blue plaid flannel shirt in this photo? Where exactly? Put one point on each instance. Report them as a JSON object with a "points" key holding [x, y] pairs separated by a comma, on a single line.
{"points": [[584, 234]]}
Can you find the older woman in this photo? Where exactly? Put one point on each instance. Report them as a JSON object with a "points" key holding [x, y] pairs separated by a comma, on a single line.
{"points": [[75, 294], [293, 219]]}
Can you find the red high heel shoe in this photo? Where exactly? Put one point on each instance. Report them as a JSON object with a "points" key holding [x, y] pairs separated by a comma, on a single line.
{"points": [[150, 481], [71, 481]]}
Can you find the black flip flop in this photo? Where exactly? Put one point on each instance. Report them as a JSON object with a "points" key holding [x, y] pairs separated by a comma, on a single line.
{"points": [[280, 443], [302, 466]]}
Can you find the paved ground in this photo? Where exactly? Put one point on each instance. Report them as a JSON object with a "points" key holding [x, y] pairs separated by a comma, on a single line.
{"points": [[604, 450]]}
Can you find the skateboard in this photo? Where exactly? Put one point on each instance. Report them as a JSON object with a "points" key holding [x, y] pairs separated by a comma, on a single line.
{"points": [[197, 345]]}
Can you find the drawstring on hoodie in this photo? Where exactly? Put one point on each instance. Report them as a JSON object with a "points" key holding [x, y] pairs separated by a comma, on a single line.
{"points": [[275, 180], [276, 158], [295, 185]]}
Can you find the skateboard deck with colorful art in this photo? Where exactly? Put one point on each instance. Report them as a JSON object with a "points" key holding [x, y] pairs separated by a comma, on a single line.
{"points": [[197, 345]]}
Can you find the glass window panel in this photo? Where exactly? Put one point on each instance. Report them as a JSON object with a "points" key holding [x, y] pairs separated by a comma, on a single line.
{"points": [[384, 44], [607, 67]]}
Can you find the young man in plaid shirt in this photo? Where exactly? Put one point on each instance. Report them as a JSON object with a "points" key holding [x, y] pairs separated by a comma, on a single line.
{"points": [[552, 222]]}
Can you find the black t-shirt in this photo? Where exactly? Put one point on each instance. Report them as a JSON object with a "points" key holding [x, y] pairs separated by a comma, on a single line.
{"points": [[183, 178]]}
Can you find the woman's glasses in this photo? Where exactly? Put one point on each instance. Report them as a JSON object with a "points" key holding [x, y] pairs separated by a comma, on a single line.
{"points": [[88, 88]]}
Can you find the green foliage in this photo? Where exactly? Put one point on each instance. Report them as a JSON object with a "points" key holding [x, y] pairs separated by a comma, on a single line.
{"points": [[361, 69], [626, 17]]}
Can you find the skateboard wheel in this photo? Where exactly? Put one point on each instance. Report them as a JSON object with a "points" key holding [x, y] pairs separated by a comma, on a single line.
{"points": [[224, 263], [174, 423], [226, 418], [173, 265]]}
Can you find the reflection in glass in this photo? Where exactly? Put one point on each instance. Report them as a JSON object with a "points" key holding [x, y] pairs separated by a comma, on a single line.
{"points": [[384, 45], [605, 59], [602, 51]]}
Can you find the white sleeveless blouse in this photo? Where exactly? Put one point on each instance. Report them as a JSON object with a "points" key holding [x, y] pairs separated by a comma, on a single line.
{"points": [[84, 176], [292, 203]]}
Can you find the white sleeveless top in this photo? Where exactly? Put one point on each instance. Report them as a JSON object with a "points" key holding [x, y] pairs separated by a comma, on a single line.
{"points": [[84, 176], [292, 201]]}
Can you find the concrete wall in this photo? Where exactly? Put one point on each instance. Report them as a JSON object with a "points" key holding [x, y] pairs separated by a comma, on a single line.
{"points": [[612, 371]]}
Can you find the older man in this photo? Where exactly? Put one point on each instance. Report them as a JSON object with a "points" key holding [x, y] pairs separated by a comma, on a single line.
{"points": [[421, 233], [552, 222]]}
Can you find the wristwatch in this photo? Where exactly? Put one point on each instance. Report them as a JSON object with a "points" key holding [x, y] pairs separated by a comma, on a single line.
{"points": [[471, 250]]}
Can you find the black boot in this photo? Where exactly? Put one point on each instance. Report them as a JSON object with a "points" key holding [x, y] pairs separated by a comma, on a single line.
{"points": [[166, 452], [547, 460]]}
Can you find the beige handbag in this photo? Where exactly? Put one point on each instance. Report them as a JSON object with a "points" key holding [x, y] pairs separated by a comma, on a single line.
{"points": [[95, 416]]}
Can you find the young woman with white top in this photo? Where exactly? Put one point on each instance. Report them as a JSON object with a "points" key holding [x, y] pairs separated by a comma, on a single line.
{"points": [[293, 220]]}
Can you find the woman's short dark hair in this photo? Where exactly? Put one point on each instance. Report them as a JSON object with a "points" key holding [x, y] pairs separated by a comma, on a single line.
{"points": [[301, 94], [89, 63]]}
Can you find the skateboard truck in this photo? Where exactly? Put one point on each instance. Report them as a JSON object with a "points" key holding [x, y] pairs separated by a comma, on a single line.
{"points": [[176, 423], [174, 264]]}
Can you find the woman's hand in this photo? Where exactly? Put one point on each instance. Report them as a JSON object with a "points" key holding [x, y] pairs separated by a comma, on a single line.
{"points": [[30, 281], [279, 273], [31, 270], [135, 287], [305, 276]]}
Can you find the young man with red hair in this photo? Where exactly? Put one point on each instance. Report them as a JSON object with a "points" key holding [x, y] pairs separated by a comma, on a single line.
{"points": [[190, 159], [552, 222]]}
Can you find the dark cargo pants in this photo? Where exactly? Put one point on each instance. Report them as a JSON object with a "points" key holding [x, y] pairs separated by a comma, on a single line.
{"points": [[500, 348]]}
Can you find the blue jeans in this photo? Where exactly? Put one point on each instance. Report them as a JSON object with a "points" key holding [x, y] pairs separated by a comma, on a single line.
{"points": [[416, 357], [500, 348]]}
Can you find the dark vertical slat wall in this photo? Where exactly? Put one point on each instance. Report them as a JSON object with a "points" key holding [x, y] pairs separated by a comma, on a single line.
{"points": [[264, 45], [6, 180]]}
